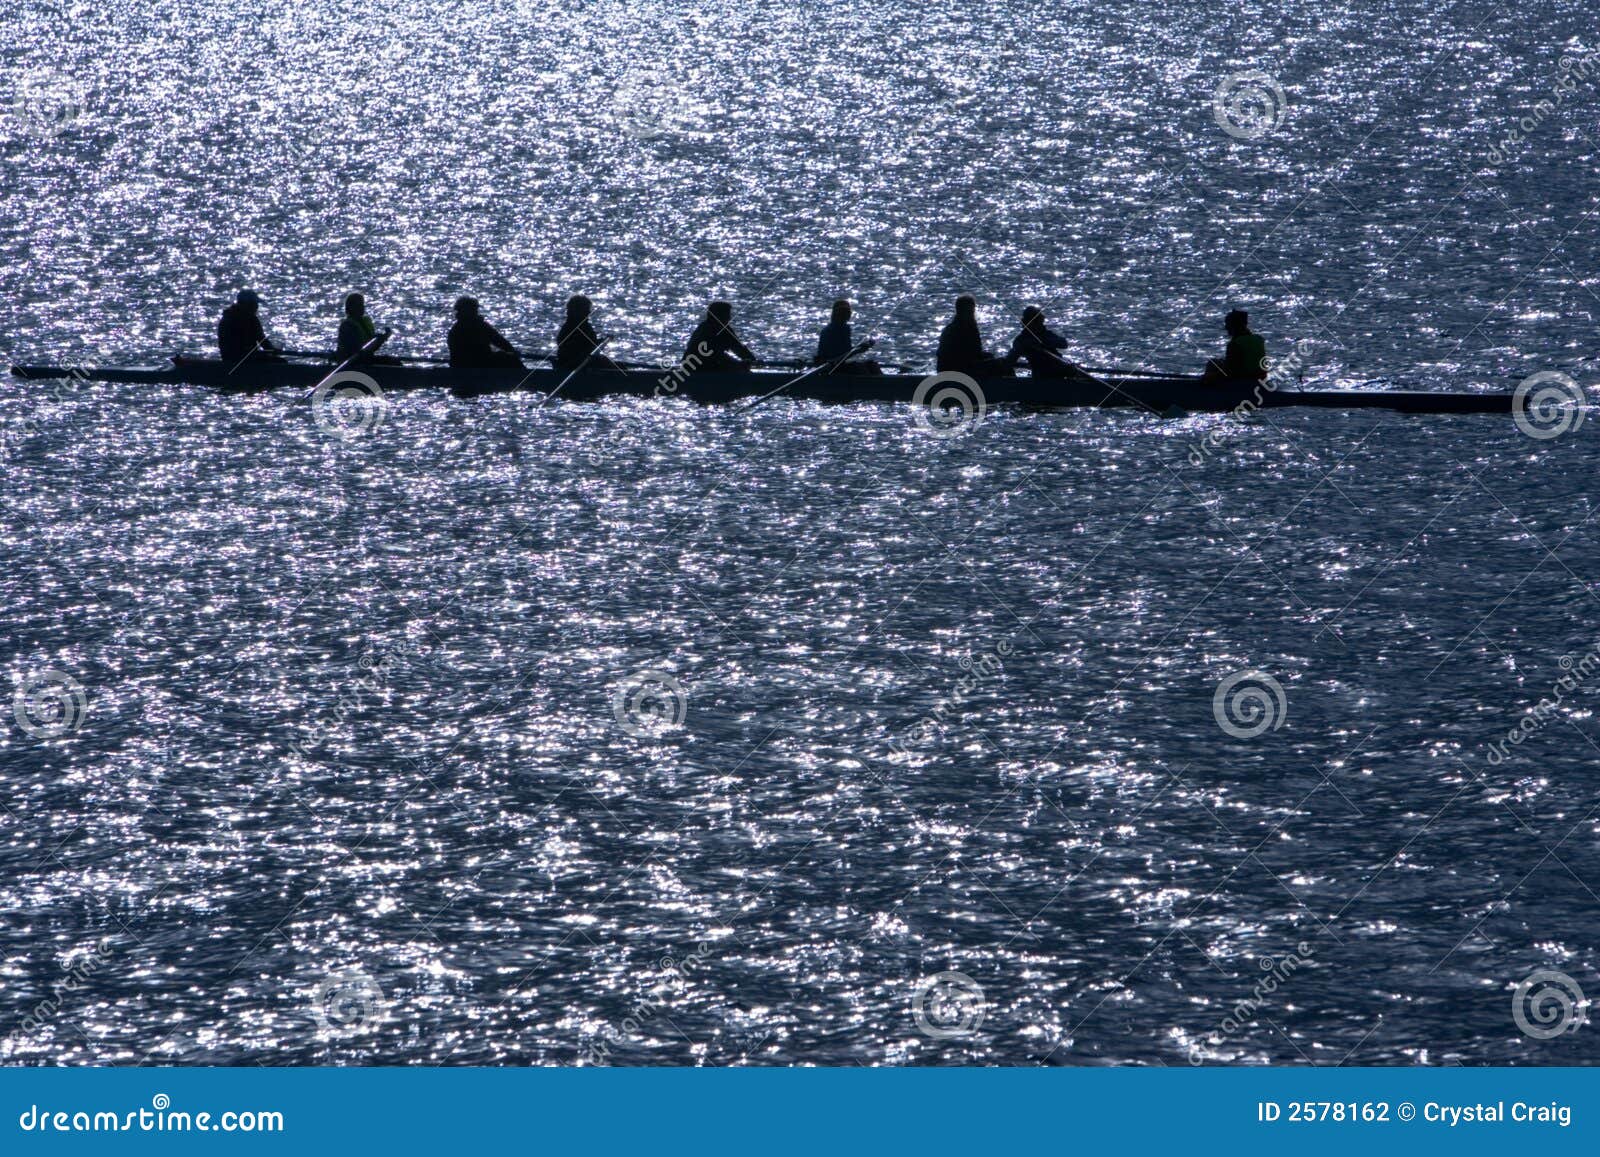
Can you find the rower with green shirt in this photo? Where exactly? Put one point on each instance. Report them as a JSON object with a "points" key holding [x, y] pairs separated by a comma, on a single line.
{"points": [[1246, 355], [357, 329]]}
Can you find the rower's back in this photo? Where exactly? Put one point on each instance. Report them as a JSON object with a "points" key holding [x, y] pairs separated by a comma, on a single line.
{"points": [[1246, 356], [470, 342], [239, 331], [356, 329], [576, 340], [961, 342]]}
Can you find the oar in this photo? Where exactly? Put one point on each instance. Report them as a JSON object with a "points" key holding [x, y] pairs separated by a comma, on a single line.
{"points": [[828, 366], [329, 355], [374, 344], [438, 361], [1098, 376], [576, 370], [1115, 372]]}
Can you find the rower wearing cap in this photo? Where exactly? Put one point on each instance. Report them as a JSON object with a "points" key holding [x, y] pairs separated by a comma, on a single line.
{"points": [[1037, 344], [1246, 355], [477, 345], [239, 333]]}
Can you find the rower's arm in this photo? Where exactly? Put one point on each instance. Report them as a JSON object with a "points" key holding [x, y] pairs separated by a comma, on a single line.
{"points": [[261, 336], [499, 339]]}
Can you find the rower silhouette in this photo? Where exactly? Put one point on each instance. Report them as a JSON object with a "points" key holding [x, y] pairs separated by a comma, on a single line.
{"points": [[477, 345], [961, 345], [240, 337], [714, 346], [356, 330], [577, 340], [836, 340], [1246, 354], [1038, 345]]}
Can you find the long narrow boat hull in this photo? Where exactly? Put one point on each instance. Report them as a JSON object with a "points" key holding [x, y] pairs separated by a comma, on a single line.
{"points": [[1161, 395]]}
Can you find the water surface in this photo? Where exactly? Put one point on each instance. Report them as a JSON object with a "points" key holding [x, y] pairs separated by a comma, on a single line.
{"points": [[639, 732]]}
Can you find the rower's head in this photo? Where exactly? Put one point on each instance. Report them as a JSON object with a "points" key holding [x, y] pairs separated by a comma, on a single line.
{"points": [[720, 312], [250, 299], [579, 307], [1237, 322], [466, 307], [841, 310], [1032, 317], [355, 305], [966, 306]]}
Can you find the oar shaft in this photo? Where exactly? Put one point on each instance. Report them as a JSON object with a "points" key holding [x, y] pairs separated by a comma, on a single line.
{"points": [[372, 346], [578, 369], [409, 359], [828, 367], [1117, 372]]}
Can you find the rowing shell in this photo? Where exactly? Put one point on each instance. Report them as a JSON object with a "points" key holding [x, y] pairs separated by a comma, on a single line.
{"points": [[1162, 395]]}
